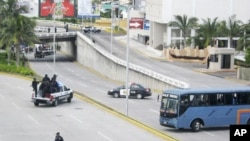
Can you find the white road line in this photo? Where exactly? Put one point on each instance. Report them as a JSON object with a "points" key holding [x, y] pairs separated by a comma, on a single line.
{"points": [[33, 119], [210, 134], [99, 90], [69, 80], [83, 85], [71, 70], [75, 118], [15, 105], [101, 134], [131, 101], [155, 111]]}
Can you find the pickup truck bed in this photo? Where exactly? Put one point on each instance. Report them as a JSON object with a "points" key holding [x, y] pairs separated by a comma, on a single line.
{"points": [[53, 98]]}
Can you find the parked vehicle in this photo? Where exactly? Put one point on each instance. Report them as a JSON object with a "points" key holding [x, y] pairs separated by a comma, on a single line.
{"points": [[53, 99], [89, 29], [135, 90]]}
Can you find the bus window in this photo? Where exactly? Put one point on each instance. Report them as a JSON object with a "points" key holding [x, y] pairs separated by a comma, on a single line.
{"points": [[234, 99], [213, 99], [243, 98], [228, 99]]}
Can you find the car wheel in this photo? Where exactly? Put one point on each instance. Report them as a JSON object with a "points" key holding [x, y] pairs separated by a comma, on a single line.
{"points": [[116, 95], [196, 125], [139, 96], [55, 103], [36, 103]]}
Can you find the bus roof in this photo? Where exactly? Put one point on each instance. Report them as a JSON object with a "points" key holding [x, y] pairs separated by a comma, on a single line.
{"points": [[207, 90]]}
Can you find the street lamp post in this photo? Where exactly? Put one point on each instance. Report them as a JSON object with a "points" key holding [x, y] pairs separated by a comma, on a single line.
{"points": [[111, 29], [54, 39], [127, 58]]}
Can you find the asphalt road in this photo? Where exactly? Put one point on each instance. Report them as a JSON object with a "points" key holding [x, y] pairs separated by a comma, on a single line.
{"points": [[146, 111], [77, 121]]}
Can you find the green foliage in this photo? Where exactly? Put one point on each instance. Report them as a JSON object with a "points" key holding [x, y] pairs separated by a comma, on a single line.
{"points": [[247, 56], [12, 68]]}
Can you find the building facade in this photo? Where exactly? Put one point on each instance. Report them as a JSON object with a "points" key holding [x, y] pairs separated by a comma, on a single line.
{"points": [[161, 12]]}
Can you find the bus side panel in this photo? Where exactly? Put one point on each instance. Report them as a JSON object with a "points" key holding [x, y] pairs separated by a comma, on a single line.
{"points": [[203, 113]]}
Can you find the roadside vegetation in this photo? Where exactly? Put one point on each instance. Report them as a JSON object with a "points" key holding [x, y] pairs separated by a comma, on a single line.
{"points": [[15, 30], [207, 32]]}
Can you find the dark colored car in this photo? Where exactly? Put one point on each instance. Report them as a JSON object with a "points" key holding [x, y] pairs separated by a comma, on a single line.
{"points": [[135, 90]]}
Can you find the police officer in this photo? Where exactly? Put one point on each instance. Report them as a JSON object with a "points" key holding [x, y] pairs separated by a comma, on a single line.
{"points": [[34, 85], [58, 137]]}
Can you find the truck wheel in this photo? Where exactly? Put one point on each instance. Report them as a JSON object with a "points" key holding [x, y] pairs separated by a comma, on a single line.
{"points": [[55, 103], [69, 99], [196, 125], [36, 103]]}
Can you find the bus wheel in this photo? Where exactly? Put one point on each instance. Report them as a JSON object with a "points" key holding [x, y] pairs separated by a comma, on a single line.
{"points": [[248, 122], [196, 125]]}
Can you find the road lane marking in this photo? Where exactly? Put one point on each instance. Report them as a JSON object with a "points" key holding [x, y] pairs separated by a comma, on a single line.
{"points": [[154, 111], [210, 134], [75, 118], [15, 105], [33, 119], [101, 134], [82, 84]]}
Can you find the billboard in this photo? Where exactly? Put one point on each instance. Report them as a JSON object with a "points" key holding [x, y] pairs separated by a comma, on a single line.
{"points": [[61, 8], [88, 9]]}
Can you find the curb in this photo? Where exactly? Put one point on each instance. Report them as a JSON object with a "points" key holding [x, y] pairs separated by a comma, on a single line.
{"points": [[129, 119]]}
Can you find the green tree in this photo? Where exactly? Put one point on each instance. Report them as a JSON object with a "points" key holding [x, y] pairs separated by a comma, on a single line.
{"points": [[208, 31], [185, 24], [231, 28], [16, 29]]}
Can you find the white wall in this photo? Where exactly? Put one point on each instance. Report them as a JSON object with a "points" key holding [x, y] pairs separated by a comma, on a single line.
{"points": [[163, 11]]}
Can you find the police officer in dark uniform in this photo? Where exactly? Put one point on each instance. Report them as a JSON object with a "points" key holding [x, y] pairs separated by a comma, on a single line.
{"points": [[58, 137], [34, 85]]}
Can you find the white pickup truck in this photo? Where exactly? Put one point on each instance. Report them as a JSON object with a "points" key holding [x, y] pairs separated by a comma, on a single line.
{"points": [[53, 99]]}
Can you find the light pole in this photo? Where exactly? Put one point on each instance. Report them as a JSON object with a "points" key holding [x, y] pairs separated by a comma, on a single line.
{"points": [[127, 58], [111, 29], [54, 38]]}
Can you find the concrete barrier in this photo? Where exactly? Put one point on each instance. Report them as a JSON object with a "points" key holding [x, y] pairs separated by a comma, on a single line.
{"points": [[92, 55]]}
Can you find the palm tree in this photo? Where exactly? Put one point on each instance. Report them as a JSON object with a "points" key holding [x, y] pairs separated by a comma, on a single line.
{"points": [[208, 31], [16, 29], [185, 24], [232, 28]]}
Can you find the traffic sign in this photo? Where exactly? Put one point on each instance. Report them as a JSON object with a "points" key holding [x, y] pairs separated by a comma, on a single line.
{"points": [[146, 25], [136, 23]]}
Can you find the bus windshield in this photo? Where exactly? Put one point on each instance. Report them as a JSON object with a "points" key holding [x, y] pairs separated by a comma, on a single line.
{"points": [[169, 105]]}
